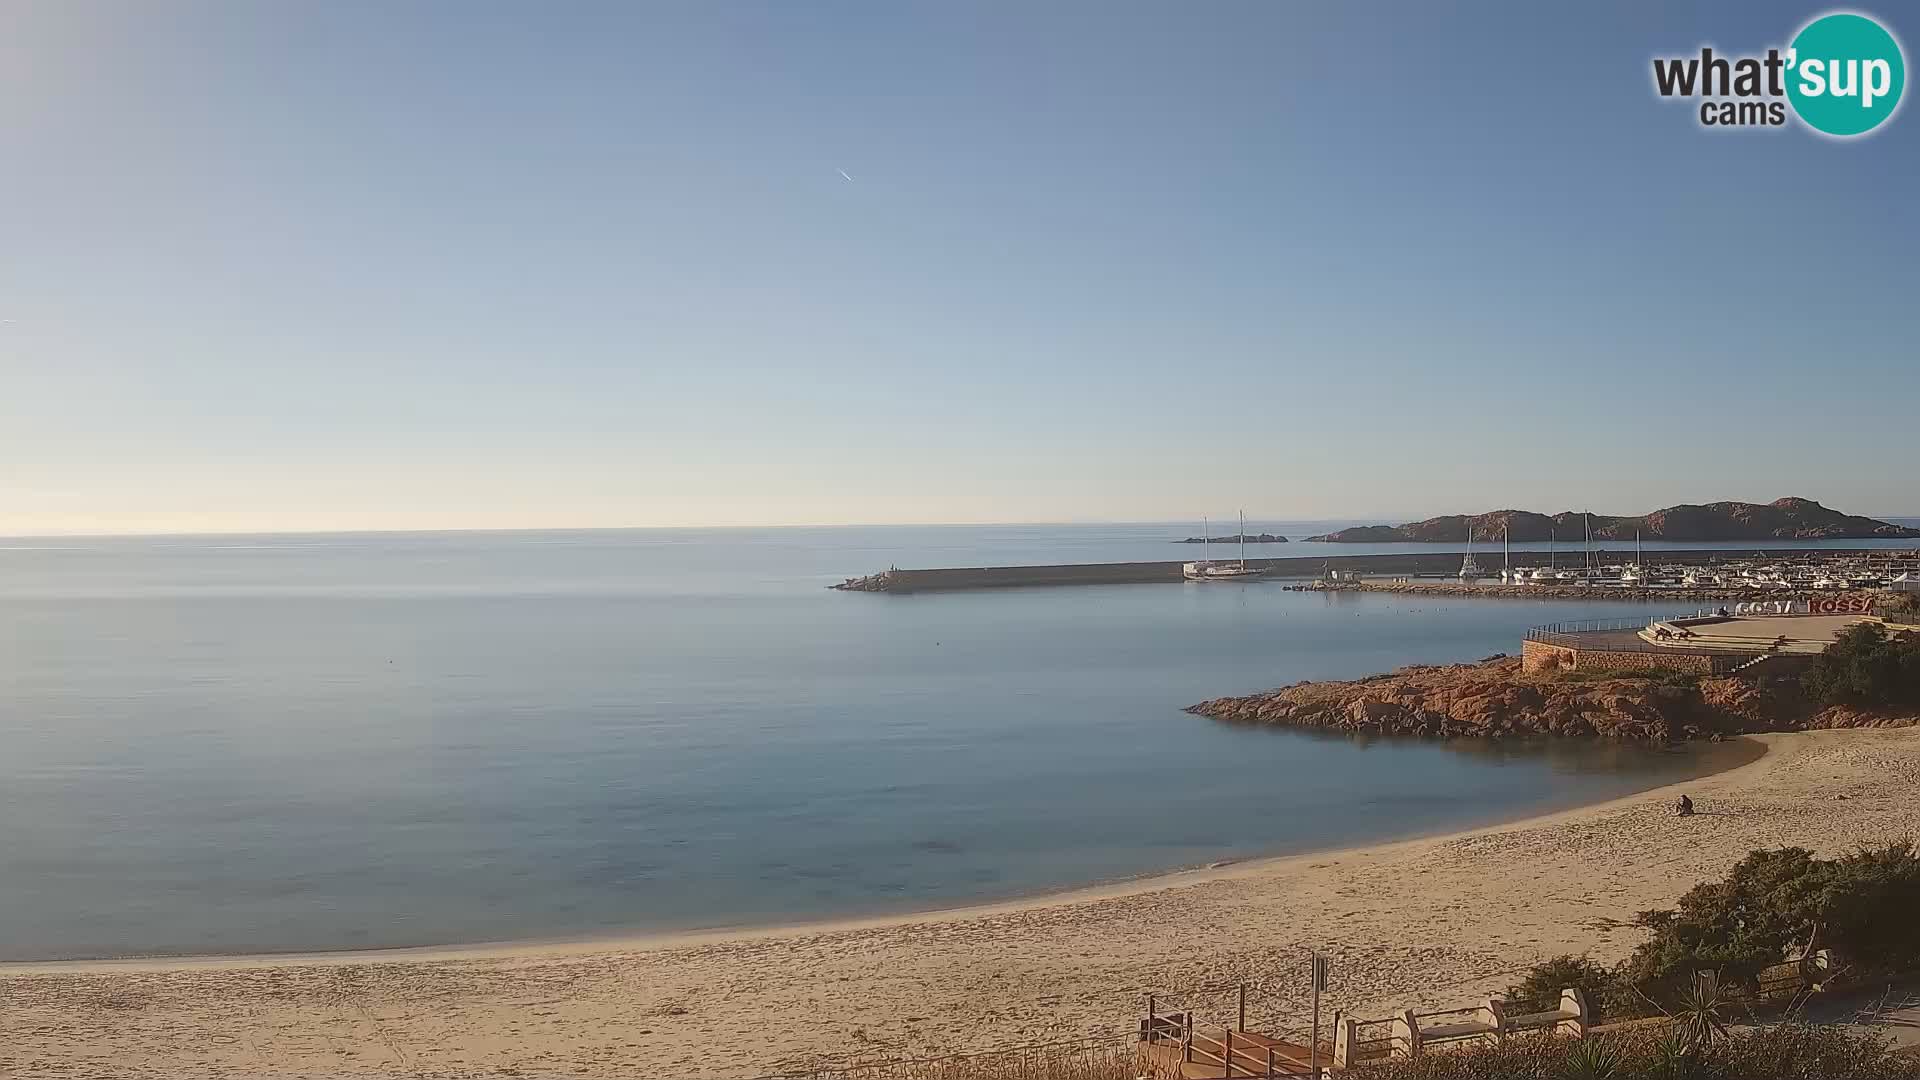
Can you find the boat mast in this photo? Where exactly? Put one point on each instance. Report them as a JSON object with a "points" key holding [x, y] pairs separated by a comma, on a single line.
{"points": [[1243, 539], [1506, 548], [1552, 531], [1587, 517]]}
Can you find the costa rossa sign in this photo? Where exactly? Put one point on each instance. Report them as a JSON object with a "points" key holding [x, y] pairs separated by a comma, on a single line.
{"points": [[1839, 605], [1849, 604]]}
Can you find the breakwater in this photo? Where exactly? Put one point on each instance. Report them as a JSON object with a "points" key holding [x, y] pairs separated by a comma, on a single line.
{"points": [[1430, 563]]}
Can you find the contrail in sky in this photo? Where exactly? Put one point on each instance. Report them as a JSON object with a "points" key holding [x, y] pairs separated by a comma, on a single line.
{"points": [[844, 176]]}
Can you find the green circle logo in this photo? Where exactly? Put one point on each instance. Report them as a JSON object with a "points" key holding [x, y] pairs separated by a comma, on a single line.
{"points": [[1845, 74]]}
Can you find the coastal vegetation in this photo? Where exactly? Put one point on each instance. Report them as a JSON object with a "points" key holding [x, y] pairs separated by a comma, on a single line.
{"points": [[1782, 519], [1867, 667], [1774, 907], [1782, 1052]]}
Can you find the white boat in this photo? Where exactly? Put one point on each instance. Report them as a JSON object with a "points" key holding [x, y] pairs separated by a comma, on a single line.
{"points": [[1469, 569], [1634, 573], [1508, 572], [1208, 570]]}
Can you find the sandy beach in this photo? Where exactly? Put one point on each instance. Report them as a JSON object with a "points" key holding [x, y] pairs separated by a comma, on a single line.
{"points": [[1442, 919]]}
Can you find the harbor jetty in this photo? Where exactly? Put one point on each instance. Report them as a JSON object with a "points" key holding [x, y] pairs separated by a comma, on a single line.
{"points": [[1355, 569]]}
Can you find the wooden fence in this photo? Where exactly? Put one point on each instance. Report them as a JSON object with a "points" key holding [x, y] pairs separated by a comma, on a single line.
{"points": [[1408, 1033]]}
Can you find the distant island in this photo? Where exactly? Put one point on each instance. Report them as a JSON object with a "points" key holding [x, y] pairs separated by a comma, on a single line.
{"points": [[1782, 519], [1251, 538]]}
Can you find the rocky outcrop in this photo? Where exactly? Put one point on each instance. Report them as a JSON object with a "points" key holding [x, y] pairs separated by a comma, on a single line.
{"points": [[1495, 699], [880, 582], [1782, 519], [1251, 538]]}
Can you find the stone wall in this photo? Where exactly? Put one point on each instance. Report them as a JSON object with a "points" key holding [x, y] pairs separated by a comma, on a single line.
{"points": [[1536, 656]]}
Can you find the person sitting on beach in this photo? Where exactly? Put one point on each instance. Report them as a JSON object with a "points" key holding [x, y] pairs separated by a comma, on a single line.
{"points": [[1685, 807]]}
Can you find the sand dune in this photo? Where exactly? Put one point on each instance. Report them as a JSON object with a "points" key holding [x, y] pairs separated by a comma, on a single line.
{"points": [[1424, 921]]}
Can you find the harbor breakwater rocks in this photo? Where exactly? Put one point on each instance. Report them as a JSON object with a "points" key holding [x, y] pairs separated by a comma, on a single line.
{"points": [[1495, 699]]}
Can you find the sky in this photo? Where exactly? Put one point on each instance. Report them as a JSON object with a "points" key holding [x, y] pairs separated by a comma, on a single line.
{"points": [[354, 265]]}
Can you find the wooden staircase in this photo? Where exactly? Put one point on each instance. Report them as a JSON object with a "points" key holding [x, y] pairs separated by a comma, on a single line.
{"points": [[1180, 1045]]}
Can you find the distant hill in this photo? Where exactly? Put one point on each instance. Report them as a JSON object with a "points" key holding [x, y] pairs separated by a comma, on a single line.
{"points": [[1782, 519]]}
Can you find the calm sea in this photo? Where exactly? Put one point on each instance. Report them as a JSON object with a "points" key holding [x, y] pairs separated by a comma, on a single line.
{"points": [[216, 744]]}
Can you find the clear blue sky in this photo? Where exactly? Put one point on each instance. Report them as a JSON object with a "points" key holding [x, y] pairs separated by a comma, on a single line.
{"points": [[365, 265]]}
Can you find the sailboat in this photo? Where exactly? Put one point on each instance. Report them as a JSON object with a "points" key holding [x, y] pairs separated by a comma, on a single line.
{"points": [[1468, 568], [1208, 570], [1507, 573], [1637, 573], [1586, 572]]}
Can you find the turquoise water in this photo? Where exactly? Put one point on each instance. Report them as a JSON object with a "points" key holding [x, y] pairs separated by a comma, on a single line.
{"points": [[319, 742]]}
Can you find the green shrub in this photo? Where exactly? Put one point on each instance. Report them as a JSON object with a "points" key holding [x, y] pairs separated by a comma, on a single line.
{"points": [[1540, 989], [1771, 907], [1784, 1052], [1865, 666]]}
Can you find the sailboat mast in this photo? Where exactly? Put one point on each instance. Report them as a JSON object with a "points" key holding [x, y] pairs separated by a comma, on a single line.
{"points": [[1506, 548], [1243, 539]]}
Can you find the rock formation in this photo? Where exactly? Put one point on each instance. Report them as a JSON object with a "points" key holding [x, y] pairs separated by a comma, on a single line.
{"points": [[1495, 699]]}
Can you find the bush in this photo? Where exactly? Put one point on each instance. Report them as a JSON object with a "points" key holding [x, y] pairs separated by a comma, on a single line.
{"points": [[1772, 906], [1867, 667], [1540, 990], [1785, 1052]]}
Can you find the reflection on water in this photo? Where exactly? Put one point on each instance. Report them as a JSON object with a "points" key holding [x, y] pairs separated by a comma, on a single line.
{"points": [[303, 743]]}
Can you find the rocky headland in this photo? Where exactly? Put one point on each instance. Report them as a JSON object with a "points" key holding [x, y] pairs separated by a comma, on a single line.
{"points": [[1782, 519], [1495, 699], [1251, 538]]}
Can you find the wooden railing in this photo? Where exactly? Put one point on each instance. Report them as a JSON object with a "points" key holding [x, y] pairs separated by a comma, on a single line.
{"points": [[1371, 1040], [1226, 1048]]}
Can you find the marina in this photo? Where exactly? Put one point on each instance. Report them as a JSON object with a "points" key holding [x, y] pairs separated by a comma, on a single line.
{"points": [[1709, 572]]}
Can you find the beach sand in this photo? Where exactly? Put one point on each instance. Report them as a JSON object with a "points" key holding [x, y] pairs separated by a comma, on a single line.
{"points": [[1439, 920]]}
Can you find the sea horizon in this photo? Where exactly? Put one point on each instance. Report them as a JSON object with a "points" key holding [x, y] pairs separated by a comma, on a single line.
{"points": [[435, 738], [1261, 523]]}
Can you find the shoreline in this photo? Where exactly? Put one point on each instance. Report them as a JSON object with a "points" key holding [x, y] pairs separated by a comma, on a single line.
{"points": [[1427, 922], [655, 940]]}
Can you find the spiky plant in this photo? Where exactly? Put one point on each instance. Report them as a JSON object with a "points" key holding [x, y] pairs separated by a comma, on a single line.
{"points": [[1593, 1059], [1699, 1019], [1670, 1057]]}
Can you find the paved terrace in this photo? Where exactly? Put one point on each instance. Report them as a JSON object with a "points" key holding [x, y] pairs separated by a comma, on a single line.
{"points": [[1754, 633]]}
